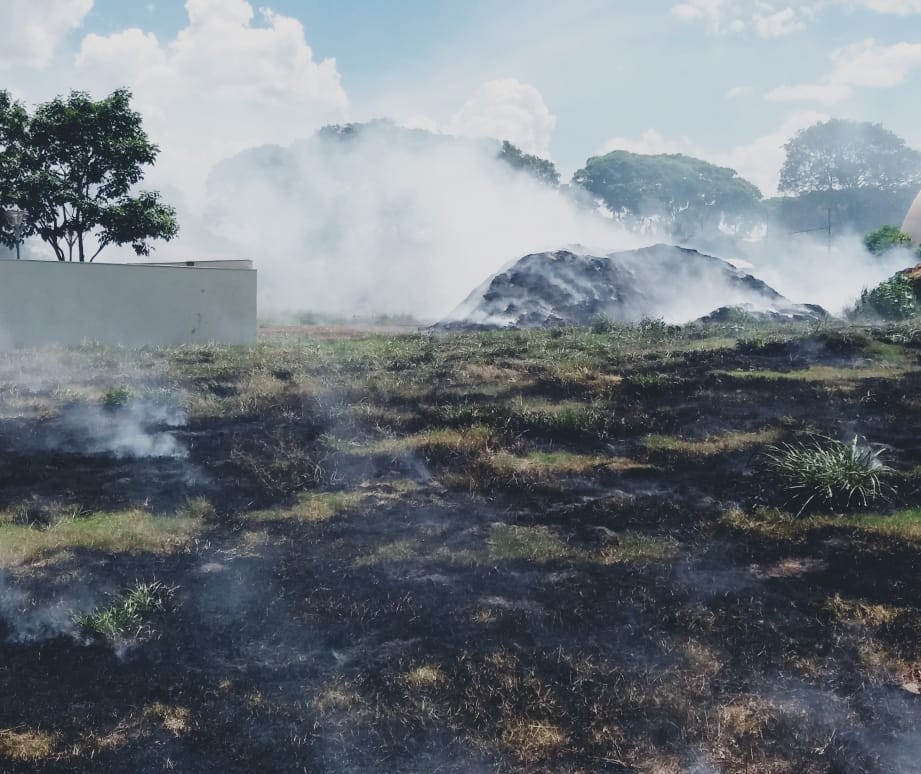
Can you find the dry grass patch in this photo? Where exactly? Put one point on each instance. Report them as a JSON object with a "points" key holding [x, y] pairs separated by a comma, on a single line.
{"points": [[534, 740], [850, 611], [712, 445], [556, 463], [535, 544], [177, 720], [313, 507], [24, 745], [776, 523], [821, 373], [133, 531], [397, 551], [634, 548], [423, 676]]}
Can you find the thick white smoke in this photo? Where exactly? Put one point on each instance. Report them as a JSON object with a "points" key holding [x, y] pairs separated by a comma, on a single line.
{"points": [[807, 270], [386, 222]]}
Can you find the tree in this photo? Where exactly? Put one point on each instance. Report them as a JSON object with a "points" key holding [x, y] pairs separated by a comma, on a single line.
{"points": [[885, 239], [541, 169], [840, 155], [689, 194], [73, 167]]}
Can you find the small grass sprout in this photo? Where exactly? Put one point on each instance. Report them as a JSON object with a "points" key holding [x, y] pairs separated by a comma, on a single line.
{"points": [[825, 471]]}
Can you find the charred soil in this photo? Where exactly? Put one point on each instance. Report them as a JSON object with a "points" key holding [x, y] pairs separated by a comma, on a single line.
{"points": [[547, 551]]}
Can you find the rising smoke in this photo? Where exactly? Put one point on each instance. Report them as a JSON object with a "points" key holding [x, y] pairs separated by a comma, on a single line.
{"points": [[388, 221]]}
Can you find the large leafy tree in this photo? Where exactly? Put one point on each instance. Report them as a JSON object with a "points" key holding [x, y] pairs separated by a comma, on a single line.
{"points": [[73, 165], [840, 155], [541, 169], [689, 195]]}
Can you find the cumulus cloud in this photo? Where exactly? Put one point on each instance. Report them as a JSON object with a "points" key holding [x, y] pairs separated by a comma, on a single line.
{"points": [[31, 31], [510, 110], [862, 65], [779, 24], [229, 80], [770, 20], [758, 161], [720, 16]]}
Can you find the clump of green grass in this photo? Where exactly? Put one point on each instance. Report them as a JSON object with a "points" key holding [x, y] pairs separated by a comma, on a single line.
{"points": [[116, 398], [830, 473], [128, 613]]}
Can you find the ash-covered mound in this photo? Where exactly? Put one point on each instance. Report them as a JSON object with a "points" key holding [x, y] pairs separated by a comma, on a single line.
{"points": [[575, 288]]}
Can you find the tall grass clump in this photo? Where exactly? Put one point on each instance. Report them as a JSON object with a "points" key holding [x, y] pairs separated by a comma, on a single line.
{"points": [[127, 615], [829, 473]]}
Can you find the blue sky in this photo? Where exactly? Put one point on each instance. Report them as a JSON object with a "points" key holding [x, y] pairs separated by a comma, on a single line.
{"points": [[569, 79]]}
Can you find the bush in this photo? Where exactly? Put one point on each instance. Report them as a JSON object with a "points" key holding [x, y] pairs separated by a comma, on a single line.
{"points": [[893, 299], [885, 239], [116, 398], [828, 472]]}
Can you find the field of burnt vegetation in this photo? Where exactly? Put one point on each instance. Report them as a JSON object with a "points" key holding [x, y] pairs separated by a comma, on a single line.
{"points": [[625, 548]]}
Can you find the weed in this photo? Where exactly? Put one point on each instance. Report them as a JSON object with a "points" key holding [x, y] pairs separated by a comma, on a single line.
{"points": [[128, 613], [116, 398], [829, 472]]}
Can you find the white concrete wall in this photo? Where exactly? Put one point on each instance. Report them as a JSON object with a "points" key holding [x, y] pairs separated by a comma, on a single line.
{"points": [[49, 302]]}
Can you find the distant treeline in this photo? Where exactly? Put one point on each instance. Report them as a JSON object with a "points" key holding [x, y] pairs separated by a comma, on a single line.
{"points": [[861, 172]]}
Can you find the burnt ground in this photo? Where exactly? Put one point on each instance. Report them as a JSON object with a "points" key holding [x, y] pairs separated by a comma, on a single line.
{"points": [[535, 552]]}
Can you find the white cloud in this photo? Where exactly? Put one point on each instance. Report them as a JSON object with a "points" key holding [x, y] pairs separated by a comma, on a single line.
{"points": [[862, 65], [779, 24], [736, 92], [720, 16], [225, 83], [895, 7], [510, 110], [31, 31], [758, 161], [771, 20]]}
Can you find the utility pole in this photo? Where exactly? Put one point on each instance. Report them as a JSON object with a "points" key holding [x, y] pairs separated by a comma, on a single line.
{"points": [[826, 228]]}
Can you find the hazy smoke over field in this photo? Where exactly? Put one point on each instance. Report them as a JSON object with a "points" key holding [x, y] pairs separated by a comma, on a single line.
{"points": [[387, 221]]}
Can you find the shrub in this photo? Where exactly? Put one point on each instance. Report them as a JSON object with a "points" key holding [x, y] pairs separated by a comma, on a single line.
{"points": [[828, 472], [885, 239], [893, 299], [116, 397]]}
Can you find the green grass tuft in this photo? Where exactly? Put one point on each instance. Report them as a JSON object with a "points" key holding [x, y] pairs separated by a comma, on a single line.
{"points": [[128, 613], [827, 472]]}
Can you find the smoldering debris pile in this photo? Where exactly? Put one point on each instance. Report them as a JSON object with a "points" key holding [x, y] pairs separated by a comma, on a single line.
{"points": [[573, 287]]}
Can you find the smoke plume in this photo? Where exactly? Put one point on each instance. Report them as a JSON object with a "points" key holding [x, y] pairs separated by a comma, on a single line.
{"points": [[386, 221]]}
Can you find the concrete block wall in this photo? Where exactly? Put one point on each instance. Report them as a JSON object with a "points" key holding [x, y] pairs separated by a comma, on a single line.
{"points": [[49, 302]]}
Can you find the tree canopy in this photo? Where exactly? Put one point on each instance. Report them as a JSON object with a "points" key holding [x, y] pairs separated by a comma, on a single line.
{"points": [[687, 193], [839, 155], [73, 166], [542, 169]]}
